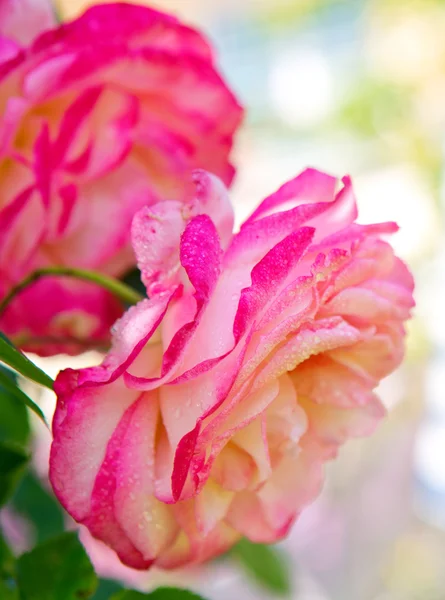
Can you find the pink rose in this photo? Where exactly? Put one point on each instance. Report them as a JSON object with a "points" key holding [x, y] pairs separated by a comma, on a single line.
{"points": [[100, 117], [254, 359]]}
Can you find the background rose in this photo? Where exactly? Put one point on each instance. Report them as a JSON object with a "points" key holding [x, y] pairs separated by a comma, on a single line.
{"points": [[100, 117], [253, 361]]}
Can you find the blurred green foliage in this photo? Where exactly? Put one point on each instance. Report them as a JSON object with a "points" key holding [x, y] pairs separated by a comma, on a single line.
{"points": [[166, 593], [14, 424], [58, 568], [14, 436], [12, 462], [265, 564], [281, 14], [39, 506], [8, 588], [106, 588]]}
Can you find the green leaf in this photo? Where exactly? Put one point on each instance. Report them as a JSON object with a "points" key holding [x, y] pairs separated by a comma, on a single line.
{"points": [[33, 501], [7, 560], [7, 384], [14, 435], [265, 564], [12, 462], [58, 569], [18, 361], [8, 590], [8, 586], [164, 593], [105, 588], [14, 423]]}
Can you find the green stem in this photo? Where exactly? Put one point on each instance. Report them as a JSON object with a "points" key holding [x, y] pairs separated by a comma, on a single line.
{"points": [[119, 289]]}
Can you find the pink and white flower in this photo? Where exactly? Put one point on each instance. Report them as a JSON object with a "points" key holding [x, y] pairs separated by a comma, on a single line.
{"points": [[100, 116], [224, 394]]}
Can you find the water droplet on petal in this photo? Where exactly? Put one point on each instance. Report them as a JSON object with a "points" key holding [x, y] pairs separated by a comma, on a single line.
{"points": [[148, 516]]}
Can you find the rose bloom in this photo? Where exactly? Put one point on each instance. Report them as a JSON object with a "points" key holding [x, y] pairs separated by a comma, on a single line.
{"points": [[253, 361], [100, 117]]}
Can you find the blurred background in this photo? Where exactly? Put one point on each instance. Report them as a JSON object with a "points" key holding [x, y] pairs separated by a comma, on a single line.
{"points": [[358, 87]]}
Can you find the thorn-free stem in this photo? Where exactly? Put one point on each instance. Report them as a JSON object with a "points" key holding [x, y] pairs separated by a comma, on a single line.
{"points": [[116, 287]]}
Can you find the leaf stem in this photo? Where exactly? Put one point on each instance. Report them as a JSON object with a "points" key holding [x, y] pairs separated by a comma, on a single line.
{"points": [[119, 289]]}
